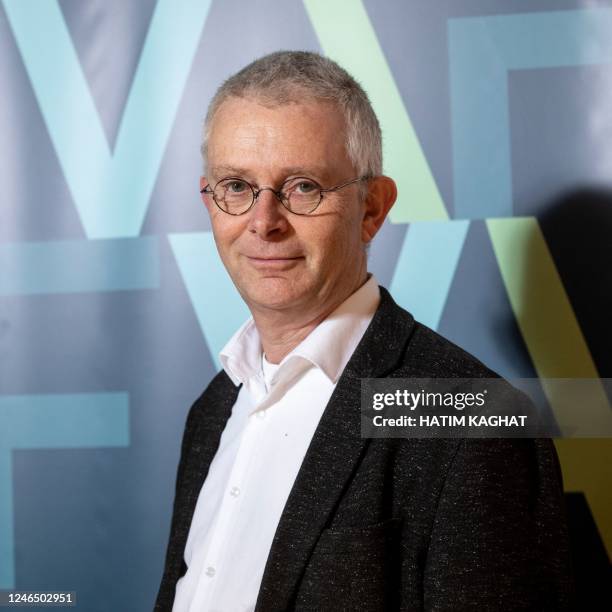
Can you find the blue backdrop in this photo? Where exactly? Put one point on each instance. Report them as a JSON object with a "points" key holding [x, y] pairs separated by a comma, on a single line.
{"points": [[113, 304]]}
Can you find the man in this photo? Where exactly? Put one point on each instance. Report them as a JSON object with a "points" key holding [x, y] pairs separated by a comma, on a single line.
{"points": [[280, 503]]}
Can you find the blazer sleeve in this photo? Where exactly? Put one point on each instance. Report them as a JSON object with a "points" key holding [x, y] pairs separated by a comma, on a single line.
{"points": [[173, 565], [499, 538]]}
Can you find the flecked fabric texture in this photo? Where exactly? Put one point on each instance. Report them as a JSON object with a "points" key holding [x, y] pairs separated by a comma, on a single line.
{"points": [[396, 524]]}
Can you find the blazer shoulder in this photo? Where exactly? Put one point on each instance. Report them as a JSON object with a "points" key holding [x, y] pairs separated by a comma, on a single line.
{"points": [[219, 392], [436, 355], [426, 353], [219, 387]]}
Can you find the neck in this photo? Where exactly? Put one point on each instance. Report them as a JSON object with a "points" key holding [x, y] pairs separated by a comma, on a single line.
{"points": [[281, 331]]}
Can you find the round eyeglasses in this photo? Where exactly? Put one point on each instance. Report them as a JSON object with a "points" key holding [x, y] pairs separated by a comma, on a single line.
{"points": [[300, 195]]}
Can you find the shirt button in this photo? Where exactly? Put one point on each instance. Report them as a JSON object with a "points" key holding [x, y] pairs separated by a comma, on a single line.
{"points": [[210, 571], [261, 414], [235, 492]]}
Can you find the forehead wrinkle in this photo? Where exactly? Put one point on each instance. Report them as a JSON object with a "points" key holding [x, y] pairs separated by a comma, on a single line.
{"points": [[245, 135]]}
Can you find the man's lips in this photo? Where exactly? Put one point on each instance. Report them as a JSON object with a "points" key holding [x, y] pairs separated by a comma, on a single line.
{"points": [[276, 261], [273, 258]]}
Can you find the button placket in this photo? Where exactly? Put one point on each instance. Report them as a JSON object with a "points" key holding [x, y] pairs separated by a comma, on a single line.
{"points": [[230, 506]]}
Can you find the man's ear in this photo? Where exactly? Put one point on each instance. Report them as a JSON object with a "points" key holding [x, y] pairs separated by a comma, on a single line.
{"points": [[382, 193]]}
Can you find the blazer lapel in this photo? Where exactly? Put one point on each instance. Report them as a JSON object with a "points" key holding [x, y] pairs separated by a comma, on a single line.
{"points": [[334, 453]]}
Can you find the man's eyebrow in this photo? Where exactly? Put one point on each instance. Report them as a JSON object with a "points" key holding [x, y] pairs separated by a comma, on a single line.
{"points": [[225, 170], [317, 171]]}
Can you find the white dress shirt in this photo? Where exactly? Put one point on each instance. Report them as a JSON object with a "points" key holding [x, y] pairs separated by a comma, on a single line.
{"points": [[260, 453]]}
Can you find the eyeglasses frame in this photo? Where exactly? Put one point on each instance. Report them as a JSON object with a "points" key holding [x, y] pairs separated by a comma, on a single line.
{"points": [[278, 193]]}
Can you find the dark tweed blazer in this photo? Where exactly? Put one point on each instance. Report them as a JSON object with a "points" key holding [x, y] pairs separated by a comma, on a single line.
{"points": [[396, 524]]}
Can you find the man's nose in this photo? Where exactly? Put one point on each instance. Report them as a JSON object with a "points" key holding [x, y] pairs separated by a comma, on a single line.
{"points": [[268, 216]]}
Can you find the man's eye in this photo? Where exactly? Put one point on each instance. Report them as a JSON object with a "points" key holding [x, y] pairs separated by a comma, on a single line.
{"points": [[236, 186], [304, 187]]}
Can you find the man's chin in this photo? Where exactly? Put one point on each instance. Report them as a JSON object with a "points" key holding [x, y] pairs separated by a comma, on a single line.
{"points": [[270, 294]]}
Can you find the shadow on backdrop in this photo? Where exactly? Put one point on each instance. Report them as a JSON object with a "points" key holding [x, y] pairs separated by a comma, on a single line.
{"points": [[578, 230]]}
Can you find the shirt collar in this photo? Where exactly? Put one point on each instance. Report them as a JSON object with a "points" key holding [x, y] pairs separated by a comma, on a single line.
{"points": [[241, 356], [328, 347]]}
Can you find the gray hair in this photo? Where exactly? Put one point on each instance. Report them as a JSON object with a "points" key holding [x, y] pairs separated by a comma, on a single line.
{"points": [[291, 76]]}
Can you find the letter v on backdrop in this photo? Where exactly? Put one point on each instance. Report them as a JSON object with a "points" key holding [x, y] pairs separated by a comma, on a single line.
{"points": [[110, 203]]}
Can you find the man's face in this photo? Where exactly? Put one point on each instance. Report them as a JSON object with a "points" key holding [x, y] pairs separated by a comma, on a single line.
{"points": [[279, 260]]}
